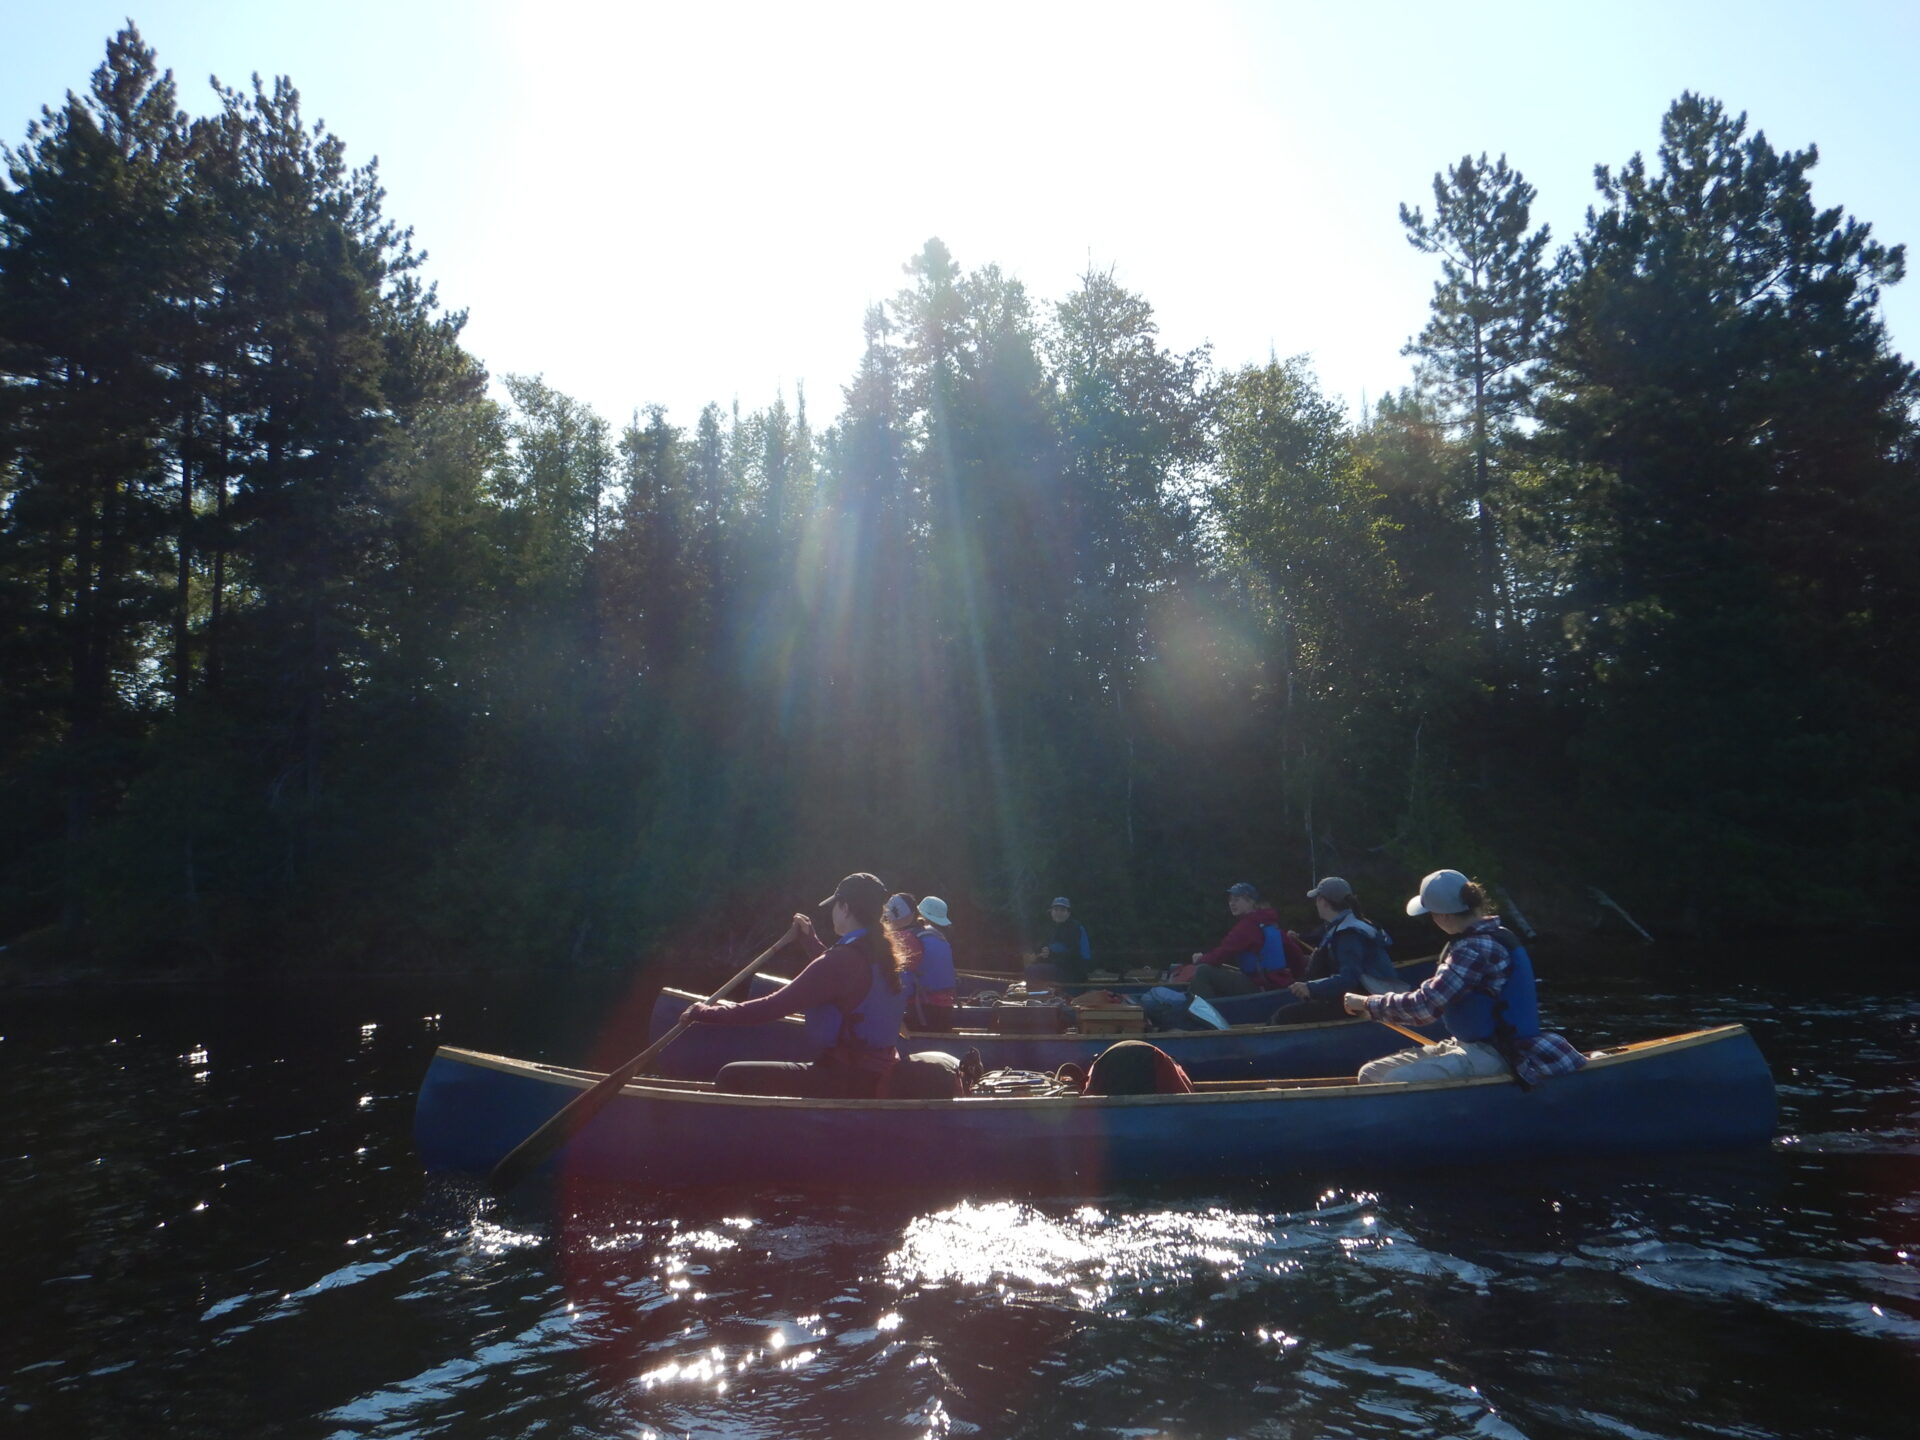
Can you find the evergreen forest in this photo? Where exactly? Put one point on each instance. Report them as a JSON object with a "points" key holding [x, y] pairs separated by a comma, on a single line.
{"points": [[321, 648]]}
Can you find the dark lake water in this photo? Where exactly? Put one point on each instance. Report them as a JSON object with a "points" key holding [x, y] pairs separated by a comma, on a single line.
{"points": [[215, 1225]]}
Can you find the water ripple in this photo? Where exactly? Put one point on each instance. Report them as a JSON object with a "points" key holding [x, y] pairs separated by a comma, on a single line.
{"points": [[210, 1235]]}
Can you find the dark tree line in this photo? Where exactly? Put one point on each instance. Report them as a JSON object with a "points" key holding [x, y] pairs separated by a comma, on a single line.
{"points": [[308, 643]]}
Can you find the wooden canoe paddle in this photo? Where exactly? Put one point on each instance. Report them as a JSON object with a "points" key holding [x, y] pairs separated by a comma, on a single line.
{"points": [[531, 1153], [1414, 1035]]}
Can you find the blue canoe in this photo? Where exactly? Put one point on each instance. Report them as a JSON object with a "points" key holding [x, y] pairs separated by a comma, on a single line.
{"points": [[1253, 1009], [1246, 1052], [1706, 1090], [974, 982]]}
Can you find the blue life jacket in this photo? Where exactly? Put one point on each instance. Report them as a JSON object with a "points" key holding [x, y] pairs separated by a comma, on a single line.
{"points": [[936, 961], [822, 1024], [1270, 957], [1476, 1014], [875, 1026], [868, 1033], [1375, 974]]}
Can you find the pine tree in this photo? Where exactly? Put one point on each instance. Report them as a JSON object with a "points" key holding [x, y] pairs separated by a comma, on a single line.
{"points": [[1133, 425], [1481, 343], [310, 294], [1721, 369], [90, 240], [655, 568]]}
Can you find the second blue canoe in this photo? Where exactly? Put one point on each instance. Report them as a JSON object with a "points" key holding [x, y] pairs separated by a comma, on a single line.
{"points": [[1246, 1052]]}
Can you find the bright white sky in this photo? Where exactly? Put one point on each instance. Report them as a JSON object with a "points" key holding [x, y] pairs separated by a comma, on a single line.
{"points": [[682, 203]]}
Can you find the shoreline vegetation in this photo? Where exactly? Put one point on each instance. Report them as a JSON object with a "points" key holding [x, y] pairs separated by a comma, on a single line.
{"points": [[311, 648]]}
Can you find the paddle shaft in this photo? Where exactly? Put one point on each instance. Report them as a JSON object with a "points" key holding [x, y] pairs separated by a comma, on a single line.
{"points": [[532, 1152], [1414, 1035]]}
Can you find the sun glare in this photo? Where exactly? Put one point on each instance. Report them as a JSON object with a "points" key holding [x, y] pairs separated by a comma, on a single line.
{"points": [[730, 188]]}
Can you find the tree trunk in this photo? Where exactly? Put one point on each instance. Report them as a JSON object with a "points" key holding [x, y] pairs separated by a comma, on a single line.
{"points": [[182, 660], [312, 703], [216, 601], [82, 712], [183, 575]]}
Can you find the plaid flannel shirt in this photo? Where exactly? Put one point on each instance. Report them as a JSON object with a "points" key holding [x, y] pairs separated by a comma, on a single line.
{"points": [[1476, 961]]}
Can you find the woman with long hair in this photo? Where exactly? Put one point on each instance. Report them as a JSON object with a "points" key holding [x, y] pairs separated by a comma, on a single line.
{"points": [[854, 986], [927, 961], [1482, 993]]}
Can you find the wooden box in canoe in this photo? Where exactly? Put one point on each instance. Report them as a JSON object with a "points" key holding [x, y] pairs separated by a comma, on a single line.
{"points": [[1706, 1090], [1246, 1052], [1109, 1019]]}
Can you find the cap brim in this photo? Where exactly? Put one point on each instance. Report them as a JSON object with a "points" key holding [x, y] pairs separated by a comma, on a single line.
{"points": [[829, 900], [1414, 907]]}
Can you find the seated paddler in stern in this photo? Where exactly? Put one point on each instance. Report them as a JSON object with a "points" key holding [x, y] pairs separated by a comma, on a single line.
{"points": [[1482, 992], [1252, 957], [1067, 955], [851, 992], [1351, 956]]}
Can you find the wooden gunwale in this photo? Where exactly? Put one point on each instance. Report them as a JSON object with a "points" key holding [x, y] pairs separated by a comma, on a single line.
{"points": [[1227, 1092]]}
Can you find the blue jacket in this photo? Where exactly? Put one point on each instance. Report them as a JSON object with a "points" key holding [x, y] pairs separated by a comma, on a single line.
{"points": [[934, 972], [1069, 943], [1355, 954]]}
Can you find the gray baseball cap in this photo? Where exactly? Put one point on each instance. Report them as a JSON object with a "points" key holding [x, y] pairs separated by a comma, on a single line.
{"points": [[1441, 893], [1333, 890]]}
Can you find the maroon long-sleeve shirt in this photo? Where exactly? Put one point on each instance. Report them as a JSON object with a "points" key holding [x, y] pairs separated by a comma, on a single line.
{"points": [[840, 976]]}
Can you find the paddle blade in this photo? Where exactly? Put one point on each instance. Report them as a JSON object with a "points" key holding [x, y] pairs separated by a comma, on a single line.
{"points": [[543, 1144], [534, 1151], [1203, 1012]]}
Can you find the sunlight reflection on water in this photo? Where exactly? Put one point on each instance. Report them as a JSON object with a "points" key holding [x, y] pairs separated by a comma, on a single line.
{"points": [[325, 1290], [490, 1240], [1095, 1257]]}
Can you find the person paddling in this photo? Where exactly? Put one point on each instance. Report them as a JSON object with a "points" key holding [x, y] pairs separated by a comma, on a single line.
{"points": [[854, 987], [1482, 992], [1351, 955]]}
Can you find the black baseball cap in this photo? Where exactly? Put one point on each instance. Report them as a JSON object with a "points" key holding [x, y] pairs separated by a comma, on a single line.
{"points": [[858, 887]]}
